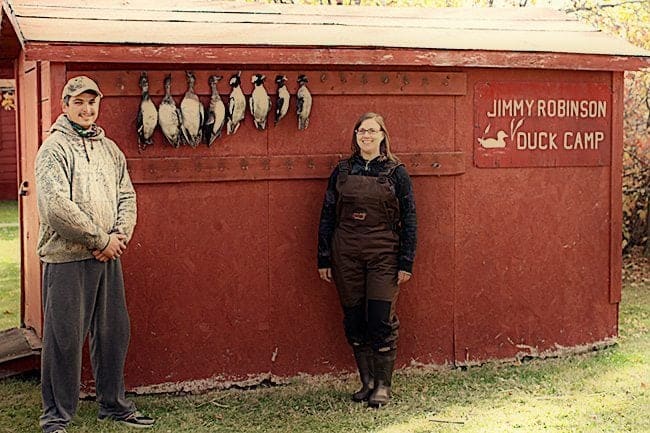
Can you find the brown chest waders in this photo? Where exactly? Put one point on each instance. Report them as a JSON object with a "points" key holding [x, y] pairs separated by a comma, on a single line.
{"points": [[365, 247]]}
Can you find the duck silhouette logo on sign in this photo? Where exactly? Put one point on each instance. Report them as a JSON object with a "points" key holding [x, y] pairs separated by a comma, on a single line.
{"points": [[500, 141]]}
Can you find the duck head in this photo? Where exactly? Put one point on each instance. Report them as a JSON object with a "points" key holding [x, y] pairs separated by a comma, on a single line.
{"points": [[212, 81], [144, 82], [235, 80], [168, 84], [281, 80], [258, 79], [190, 79]]}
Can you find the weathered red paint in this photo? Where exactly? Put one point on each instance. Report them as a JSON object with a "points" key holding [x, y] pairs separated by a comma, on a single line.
{"points": [[225, 271], [214, 169], [342, 57], [615, 197], [321, 82], [52, 79], [20, 365], [9, 44], [220, 274], [245, 248], [8, 141], [542, 124], [29, 131], [533, 245]]}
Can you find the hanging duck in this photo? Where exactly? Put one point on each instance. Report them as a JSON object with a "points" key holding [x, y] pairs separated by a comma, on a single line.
{"points": [[193, 113], [303, 103], [147, 116], [216, 115], [237, 105], [259, 102], [282, 102], [169, 116]]}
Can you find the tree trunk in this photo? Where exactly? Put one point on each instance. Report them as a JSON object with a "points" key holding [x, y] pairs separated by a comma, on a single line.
{"points": [[646, 251]]}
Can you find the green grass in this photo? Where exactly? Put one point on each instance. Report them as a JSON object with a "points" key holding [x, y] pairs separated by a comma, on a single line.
{"points": [[598, 392], [9, 266], [9, 212]]}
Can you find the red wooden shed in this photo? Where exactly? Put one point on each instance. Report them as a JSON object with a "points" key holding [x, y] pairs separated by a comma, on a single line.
{"points": [[9, 50], [8, 142], [509, 120]]}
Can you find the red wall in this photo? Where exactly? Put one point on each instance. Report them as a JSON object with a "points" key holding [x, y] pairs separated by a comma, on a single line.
{"points": [[534, 244], [8, 162], [221, 273]]}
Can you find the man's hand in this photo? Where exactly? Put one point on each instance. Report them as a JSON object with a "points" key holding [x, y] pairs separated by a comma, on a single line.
{"points": [[115, 248], [325, 274]]}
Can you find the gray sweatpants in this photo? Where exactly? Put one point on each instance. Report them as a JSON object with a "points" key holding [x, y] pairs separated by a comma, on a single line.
{"points": [[79, 297]]}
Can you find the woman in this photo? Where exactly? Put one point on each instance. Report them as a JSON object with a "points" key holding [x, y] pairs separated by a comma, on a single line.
{"points": [[366, 245]]}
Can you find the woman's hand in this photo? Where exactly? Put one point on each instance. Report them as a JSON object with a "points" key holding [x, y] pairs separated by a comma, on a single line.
{"points": [[325, 274], [403, 277]]}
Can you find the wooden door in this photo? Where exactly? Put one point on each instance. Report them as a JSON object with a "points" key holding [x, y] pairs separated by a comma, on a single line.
{"points": [[29, 138]]}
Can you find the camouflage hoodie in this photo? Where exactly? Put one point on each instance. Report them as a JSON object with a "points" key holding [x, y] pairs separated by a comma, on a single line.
{"points": [[84, 193]]}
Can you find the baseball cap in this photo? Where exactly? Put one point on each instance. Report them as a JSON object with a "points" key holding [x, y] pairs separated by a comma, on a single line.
{"points": [[77, 85]]}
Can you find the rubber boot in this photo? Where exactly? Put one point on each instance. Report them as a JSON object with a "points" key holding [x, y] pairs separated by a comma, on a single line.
{"points": [[384, 364], [364, 357]]}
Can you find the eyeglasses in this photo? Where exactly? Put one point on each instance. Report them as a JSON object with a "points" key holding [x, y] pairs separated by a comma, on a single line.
{"points": [[367, 131]]}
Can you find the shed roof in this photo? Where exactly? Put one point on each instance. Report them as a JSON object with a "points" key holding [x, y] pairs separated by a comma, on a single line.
{"points": [[172, 23]]}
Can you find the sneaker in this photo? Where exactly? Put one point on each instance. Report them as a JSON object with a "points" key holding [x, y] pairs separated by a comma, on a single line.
{"points": [[61, 430], [136, 419]]}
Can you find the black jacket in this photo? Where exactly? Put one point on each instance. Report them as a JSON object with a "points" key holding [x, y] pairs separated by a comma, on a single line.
{"points": [[400, 181]]}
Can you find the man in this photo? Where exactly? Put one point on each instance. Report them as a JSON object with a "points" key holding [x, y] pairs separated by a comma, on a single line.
{"points": [[87, 212]]}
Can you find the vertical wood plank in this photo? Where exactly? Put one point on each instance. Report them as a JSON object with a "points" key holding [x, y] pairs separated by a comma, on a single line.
{"points": [[616, 196], [8, 173], [53, 78], [29, 133]]}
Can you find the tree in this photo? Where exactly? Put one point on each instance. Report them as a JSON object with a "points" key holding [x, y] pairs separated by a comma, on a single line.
{"points": [[629, 20]]}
